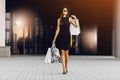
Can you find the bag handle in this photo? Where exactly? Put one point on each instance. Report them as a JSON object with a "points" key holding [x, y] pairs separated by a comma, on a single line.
{"points": [[53, 46]]}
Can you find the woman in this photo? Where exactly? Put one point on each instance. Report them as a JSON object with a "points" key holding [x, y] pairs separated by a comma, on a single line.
{"points": [[65, 40]]}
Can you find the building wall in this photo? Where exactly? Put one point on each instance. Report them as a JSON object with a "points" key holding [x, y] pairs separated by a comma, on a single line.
{"points": [[2, 22], [117, 28]]}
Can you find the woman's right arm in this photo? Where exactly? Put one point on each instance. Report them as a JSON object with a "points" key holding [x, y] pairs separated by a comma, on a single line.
{"points": [[57, 31]]}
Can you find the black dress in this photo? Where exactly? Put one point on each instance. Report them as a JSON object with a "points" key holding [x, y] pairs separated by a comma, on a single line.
{"points": [[64, 35]]}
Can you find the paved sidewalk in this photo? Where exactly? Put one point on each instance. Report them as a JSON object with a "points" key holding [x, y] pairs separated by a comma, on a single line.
{"points": [[80, 68]]}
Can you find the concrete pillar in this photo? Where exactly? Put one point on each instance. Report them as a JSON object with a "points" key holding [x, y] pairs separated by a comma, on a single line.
{"points": [[4, 50], [2, 23], [116, 30]]}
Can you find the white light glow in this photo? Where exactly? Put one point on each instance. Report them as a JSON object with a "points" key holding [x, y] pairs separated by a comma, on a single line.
{"points": [[18, 22]]}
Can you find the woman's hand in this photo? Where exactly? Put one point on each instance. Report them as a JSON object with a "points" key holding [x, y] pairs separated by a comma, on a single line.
{"points": [[73, 16], [73, 20]]}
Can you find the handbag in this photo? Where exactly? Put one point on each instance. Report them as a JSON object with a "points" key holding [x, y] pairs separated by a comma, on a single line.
{"points": [[75, 30], [52, 55], [55, 56]]}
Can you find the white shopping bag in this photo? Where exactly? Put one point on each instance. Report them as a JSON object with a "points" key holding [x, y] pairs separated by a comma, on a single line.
{"points": [[48, 56], [53, 55], [75, 30]]}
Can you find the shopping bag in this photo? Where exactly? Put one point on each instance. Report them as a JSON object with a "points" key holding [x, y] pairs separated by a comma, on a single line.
{"points": [[75, 30], [48, 56], [55, 56]]}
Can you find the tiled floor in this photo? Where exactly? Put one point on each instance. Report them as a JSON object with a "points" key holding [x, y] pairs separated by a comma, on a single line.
{"points": [[80, 68]]}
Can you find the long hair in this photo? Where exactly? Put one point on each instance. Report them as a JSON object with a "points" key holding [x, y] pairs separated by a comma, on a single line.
{"points": [[61, 16]]}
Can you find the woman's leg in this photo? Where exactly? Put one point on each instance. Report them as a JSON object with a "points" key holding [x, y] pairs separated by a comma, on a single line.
{"points": [[66, 59], [63, 60]]}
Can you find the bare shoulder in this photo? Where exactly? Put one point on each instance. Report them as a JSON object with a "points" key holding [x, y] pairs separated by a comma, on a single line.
{"points": [[58, 19]]}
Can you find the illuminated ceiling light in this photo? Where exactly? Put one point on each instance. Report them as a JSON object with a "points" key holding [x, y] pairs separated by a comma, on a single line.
{"points": [[18, 22]]}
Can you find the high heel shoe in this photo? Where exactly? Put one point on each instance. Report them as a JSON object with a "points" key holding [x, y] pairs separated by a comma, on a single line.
{"points": [[64, 72], [66, 69]]}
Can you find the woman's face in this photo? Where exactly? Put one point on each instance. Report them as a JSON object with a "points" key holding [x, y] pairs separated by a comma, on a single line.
{"points": [[65, 11]]}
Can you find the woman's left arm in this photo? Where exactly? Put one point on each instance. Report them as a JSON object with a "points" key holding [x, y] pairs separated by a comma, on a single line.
{"points": [[73, 20]]}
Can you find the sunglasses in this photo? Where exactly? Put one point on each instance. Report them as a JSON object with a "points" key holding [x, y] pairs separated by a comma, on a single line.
{"points": [[65, 10]]}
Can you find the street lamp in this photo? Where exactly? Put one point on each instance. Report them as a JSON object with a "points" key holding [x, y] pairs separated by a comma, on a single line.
{"points": [[19, 23]]}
